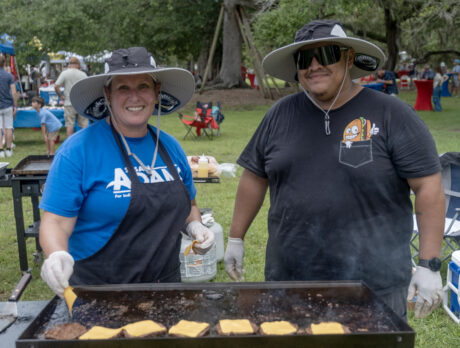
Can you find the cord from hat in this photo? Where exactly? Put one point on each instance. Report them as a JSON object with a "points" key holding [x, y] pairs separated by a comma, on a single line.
{"points": [[149, 171], [327, 119]]}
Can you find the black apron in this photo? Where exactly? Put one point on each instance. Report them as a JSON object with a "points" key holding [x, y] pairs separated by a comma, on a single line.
{"points": [[145, 247]]}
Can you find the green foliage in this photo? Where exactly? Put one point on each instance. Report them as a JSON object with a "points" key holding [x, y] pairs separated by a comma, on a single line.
{"points": [[426, 25], [170, 29], [437, 330]]}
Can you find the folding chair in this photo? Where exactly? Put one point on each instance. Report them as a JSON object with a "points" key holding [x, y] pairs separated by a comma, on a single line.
{"points": [[218, 116], [201, 121], [450, 163], [404, 82]]}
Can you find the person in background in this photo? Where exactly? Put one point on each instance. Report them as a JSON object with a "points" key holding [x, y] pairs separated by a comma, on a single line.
{"points": [[8, 108], [427, 73], [35, 77], [340, 161], [443, 68], [50, 124], [67, 79], [119, 193], [438, 80], [455, 77], [389, 81]]}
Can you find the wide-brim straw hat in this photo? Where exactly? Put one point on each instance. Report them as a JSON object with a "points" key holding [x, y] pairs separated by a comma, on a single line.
{"points": [[177, 85], [281, 64]]}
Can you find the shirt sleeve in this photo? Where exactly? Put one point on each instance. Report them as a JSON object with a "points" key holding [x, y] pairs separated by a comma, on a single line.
{"points": [[60, 79], [413, 148], [253, 156], [178, 156], [63, 194]]}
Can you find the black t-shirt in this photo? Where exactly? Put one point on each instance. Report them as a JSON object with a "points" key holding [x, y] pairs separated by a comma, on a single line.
{"points": [[340, 205]]}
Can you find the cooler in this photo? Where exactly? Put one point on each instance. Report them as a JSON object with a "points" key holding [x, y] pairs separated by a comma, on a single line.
{"points": [[451, 290]]}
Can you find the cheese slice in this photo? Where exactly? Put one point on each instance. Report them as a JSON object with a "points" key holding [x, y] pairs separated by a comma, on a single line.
{"points": [[330, 327], [188, 328], [100, 333], [278, 328], [236, 326], [143, 328]]}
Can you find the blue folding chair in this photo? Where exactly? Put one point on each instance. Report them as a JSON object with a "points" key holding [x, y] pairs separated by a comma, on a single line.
{"points": [[450, 163]]}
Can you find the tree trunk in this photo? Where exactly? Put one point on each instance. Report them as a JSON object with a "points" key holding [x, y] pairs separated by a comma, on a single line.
{"points": [[230, 72], [393, 34], [202, 60]]}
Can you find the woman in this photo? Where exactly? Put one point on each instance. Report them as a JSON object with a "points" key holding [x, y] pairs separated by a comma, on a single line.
{"points": [[109, 218], [438, 80]]}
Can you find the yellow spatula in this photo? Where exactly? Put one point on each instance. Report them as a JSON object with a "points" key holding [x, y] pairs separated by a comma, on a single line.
{"points": [[70, 298]]}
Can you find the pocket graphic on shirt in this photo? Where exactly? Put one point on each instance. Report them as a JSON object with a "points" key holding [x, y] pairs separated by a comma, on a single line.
{"points": [[356, 145], [357, 155]]}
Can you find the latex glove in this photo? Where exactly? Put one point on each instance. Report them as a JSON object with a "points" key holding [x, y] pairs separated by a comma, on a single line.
{"points": [[427, 285], [56, 271], [203, 235], [233, 258]]}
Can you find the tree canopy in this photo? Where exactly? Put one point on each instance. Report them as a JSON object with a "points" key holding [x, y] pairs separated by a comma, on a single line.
{"points": [[178, 32]]}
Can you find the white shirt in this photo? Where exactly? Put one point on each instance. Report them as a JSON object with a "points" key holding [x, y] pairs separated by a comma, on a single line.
{"points": [[67, 79]]}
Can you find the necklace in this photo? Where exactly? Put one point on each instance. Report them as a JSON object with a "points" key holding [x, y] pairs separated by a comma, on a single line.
{"points": [[148, 170]]}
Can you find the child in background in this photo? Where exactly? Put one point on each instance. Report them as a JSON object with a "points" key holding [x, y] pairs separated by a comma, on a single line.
{"points": [[49, 123]]}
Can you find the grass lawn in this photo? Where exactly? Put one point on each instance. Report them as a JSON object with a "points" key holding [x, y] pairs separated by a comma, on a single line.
{"points": [[438, 330]]}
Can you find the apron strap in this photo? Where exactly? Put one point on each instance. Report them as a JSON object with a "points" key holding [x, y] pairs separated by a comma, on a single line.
{"points": [[161, 149], [128, 164], [164, 155]]}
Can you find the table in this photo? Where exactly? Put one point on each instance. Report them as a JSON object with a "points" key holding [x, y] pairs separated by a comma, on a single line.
{"points": [[424, 94], [445, 87], [28, 117], [49, 95], [378, 86]]}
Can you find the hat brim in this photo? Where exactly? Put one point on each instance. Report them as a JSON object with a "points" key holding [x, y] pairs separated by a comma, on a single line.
{"points": [[280, 62], [177, 82]]}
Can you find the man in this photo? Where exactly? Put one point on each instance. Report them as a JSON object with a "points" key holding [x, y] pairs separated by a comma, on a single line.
{"points": [[67, 79], [389, 81], [427, 73], [8, 108], [340, 161], [455, 76]]}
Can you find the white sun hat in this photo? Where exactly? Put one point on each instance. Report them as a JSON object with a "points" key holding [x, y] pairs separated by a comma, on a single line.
{"points": [[281, 64], [177, 85]]}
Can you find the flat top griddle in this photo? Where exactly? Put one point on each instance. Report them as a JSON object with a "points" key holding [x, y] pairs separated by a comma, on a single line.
{"points": [[33, 165], [302, 303]]}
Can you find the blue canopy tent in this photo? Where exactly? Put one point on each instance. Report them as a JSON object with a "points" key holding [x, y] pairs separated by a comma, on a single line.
{"points": [[6, 45]]}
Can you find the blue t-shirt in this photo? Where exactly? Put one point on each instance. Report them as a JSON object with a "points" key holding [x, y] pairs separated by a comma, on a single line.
{"points": [[89, 179], [6, 80], [390, 89], [456, 69], [51, 122]]}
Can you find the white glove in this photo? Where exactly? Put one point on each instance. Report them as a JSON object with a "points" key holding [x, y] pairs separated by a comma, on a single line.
{"points": [[203, 235], [233, 258], [427, 285], [56, 271]]}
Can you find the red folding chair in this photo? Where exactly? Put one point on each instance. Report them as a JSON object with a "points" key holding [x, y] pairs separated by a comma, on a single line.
{"points": [[202, 121]]}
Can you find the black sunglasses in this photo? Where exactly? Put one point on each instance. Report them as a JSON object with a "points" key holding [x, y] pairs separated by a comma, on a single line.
{"points": [[325, 55]]}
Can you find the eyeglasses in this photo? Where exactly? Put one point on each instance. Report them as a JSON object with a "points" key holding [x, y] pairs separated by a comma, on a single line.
{"points": [[325, 55]]}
